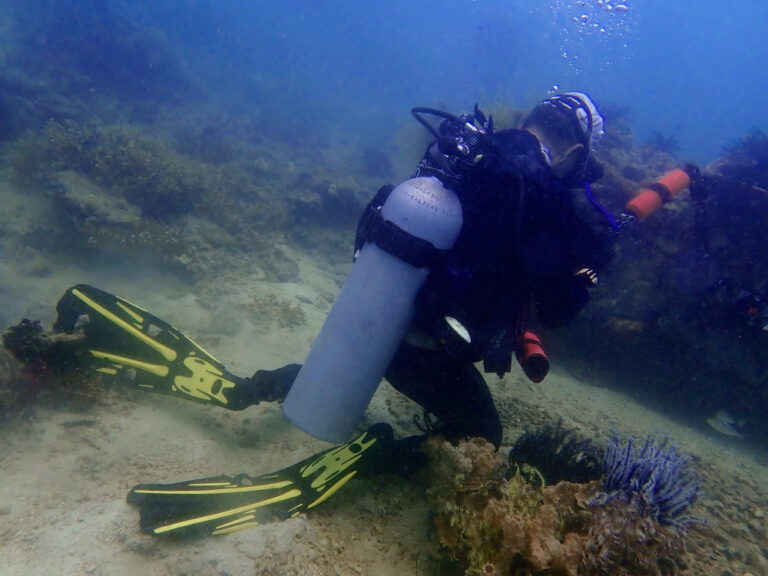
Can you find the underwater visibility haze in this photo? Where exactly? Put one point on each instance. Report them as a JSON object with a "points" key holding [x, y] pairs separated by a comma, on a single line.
{"points": [[208, 161]]}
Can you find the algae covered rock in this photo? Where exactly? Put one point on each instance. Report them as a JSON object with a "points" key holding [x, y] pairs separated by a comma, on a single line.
{"points": [[490, 524], [493, 518]]}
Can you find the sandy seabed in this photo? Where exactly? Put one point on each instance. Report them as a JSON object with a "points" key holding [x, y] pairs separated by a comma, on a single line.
{"points": [[66, 466]]}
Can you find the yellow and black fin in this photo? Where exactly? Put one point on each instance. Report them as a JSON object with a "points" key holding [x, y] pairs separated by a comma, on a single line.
{"points": [[222, 504], [127, 342]]}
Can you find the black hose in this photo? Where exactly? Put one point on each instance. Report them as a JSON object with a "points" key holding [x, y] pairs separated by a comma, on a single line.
{"points": [[416, 112]]}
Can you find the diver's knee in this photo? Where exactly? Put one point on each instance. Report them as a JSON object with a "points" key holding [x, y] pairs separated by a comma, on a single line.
{"points": [[489, 430], [494, 433]]}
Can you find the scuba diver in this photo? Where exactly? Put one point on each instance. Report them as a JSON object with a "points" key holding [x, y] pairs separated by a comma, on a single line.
{"points": [[449, 267], [515, 243]]}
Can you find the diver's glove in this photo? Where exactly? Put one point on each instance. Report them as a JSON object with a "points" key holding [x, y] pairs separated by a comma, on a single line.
{"points": [[587, 277], [270, 385]]}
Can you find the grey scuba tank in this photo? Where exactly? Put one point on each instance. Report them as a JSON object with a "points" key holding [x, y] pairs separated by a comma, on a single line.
{"points": [[370, 316]]}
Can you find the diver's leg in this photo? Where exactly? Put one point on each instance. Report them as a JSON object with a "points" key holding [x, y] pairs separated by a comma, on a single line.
{"points": [[450, 388]]}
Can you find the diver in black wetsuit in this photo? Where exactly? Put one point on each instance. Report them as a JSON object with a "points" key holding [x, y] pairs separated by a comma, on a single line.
{"points": [[522, 243], [518, 243]]}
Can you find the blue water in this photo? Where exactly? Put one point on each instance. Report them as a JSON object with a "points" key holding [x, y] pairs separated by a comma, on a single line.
{"points": [[692, 70]]}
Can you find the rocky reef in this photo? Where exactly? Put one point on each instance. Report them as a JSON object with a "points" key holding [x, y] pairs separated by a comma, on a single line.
{"points": [[34, 362], [493, 518]]}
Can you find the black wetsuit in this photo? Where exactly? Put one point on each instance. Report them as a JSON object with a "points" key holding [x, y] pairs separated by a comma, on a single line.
{"points": [[521, 243]]}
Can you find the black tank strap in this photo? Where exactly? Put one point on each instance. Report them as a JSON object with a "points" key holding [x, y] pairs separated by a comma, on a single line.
{"points": [[401, 244], [363, 223]]}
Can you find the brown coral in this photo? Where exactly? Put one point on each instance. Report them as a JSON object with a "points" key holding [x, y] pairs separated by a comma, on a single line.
{"points": [[491, 524], [484, 519]]}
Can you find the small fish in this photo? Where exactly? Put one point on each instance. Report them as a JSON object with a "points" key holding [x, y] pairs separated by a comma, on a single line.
{"points": [[725, 417], [724, 428]]}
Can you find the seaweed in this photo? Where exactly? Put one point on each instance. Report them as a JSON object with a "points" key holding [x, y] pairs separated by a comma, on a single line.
{"points": [[558, 454]]}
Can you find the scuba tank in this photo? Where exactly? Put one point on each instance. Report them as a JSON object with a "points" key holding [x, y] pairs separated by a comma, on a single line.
{"points": [[372, 313]]}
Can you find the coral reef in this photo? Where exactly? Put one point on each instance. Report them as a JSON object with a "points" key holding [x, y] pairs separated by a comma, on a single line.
{"points": [[124, 190], [619, 136], [491, 525], [140, 178], [492, 520], [134, 165], [85, 59], [558, 454], [672, 266]]}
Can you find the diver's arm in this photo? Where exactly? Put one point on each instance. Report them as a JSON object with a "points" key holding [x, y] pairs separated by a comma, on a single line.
{"points": [[558, 300]]}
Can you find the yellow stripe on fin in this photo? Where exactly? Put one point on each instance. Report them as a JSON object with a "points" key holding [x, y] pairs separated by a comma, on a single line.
{"points": [[166, 352], [332, 490], [236, 528], [155, 369], [131, 313], [217, 489], [110, 371], [227, 513]]}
